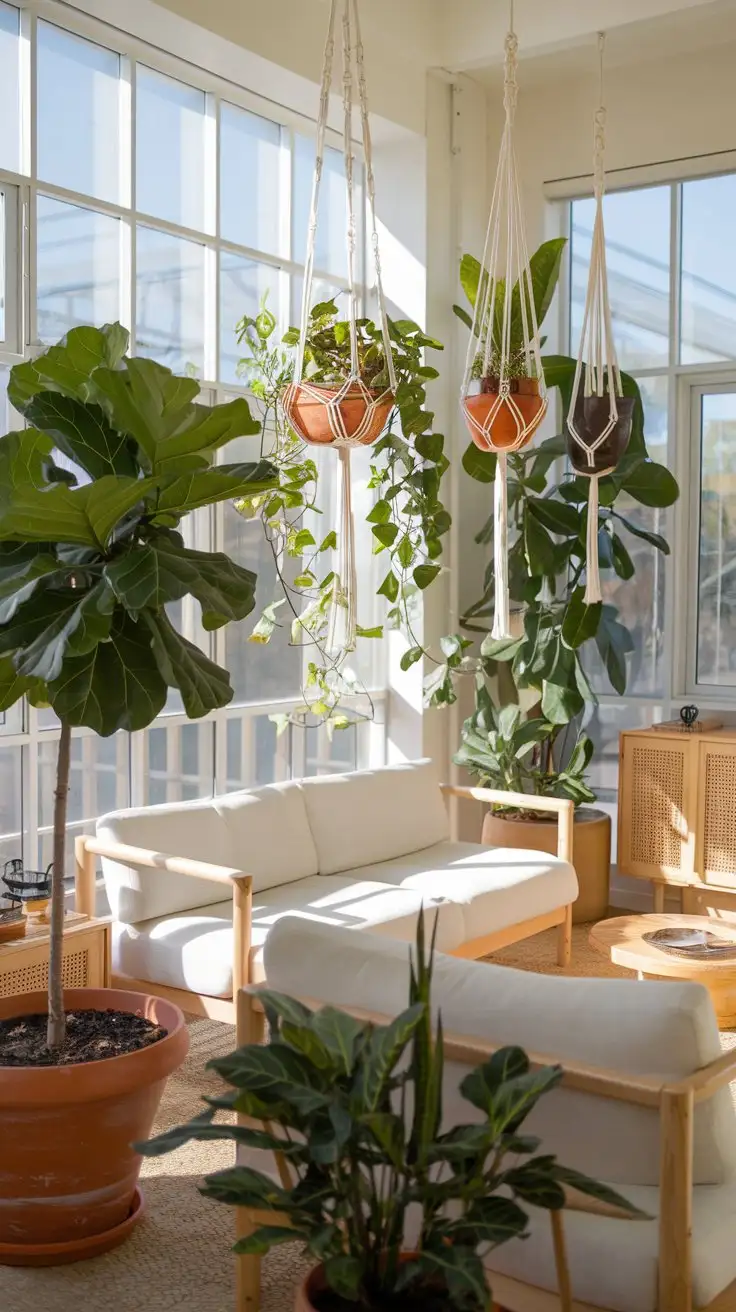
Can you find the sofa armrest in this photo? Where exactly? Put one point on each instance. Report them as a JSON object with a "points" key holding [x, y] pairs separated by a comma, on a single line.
{"points": [[241, 884], [564, 808]]}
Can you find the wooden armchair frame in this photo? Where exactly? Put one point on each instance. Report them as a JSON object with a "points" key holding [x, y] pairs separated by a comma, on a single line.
{"points": [[87, 849], [675, 1103]]}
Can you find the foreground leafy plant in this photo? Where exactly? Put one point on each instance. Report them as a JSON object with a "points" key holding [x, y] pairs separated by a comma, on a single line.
{"points": [[91, 554], [407, 518], [356, 1109]]}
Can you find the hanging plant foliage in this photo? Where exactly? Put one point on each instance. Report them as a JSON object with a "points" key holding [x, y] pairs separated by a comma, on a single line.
{"points": [[504, 398], [407, 519]]}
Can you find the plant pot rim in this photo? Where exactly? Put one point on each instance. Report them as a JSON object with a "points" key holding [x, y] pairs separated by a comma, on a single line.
{"points": [[583, 814], [89, 1081], [495, 383], [331, 389]]}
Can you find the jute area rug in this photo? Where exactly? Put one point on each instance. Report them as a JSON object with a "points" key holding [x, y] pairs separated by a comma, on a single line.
{"points": [[178, 1259]]}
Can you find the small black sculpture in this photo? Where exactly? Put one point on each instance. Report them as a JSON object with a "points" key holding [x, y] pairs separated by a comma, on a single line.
{"points": [[688, 715]]}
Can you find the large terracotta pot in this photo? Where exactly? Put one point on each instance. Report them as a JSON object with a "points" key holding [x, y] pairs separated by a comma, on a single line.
{"points": [[309, 416], [592, 417], [504, 433], [68, 1171], [591, 851]]}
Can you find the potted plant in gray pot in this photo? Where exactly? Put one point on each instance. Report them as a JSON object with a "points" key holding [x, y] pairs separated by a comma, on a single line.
{"points": [[356, 1111], [91, 556], [533, 690]]}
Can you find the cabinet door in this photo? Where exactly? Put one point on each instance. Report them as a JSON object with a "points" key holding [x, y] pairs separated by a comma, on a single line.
{"points": [[657, 805], [716, 847]]}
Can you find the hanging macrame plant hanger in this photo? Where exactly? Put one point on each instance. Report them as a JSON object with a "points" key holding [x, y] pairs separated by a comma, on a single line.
{"points": [[351, 414], [503, 395], [599, 418]]}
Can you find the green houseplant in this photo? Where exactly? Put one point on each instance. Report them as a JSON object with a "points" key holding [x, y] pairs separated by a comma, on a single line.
{"points": [[407, 518], [533, 689], [92, 495], [356, 1109]]}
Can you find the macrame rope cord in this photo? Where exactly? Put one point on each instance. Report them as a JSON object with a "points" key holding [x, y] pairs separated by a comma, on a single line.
{"points": [[596, 368], [504, 312]]}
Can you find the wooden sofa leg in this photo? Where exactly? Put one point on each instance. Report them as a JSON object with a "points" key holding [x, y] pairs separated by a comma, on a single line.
{"points": [[564, 939], [247, 1268]]}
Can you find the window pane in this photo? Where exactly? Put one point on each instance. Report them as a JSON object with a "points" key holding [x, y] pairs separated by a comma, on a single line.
{"points": [[170, 301], [708, 316], [716, 656], [325, 757], [638, 254], [330, 252], [255, 754], [11, 803], [259, 672], [170, 135], [78, 262], [641, 599], [250, 180], [9, 88], [78, 114], [179, 763], [98, 783], [243, 283]]}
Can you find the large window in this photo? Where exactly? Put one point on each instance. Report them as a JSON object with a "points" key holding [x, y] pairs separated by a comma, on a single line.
{"points": [[133, 188], [672, 275]]}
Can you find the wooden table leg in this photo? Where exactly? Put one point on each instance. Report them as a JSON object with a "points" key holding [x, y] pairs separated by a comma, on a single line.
{"points": [[658, 891]]}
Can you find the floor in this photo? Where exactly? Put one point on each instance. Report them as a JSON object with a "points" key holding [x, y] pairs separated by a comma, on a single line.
{"points": [[178, 1260]]}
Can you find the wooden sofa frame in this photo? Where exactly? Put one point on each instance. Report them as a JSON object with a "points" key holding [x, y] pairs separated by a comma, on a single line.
{"points": [[88, 849], [675, 1103]]}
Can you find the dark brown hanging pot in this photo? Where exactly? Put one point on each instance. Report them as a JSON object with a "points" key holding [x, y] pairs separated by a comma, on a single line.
{"points": [[591, 417]]}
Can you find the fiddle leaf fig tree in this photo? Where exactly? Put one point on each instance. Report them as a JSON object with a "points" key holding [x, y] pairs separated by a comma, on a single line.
{"points": [[92, 495]]}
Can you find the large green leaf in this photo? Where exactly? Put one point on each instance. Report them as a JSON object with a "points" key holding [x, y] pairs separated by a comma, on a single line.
{"points": [[186, 492], [580, 621], [161, 571], [555, 515], [386, 1046], [276, 1073], [480, 1085], [22, 566], [50, 623], [560, 701], [81, 431], [68, 366], [13, 686], [157, 408], [116, 685], [204, 685], [339, 1032], [480, 465], [651, 484], [544, 267]]}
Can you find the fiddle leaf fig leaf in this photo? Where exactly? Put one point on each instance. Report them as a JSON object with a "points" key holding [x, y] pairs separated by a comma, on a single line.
{"points": [[80, 430], [204, 686]]}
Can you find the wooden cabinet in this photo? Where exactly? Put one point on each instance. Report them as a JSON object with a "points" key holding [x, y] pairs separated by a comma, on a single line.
{"points": [[677, 811]]}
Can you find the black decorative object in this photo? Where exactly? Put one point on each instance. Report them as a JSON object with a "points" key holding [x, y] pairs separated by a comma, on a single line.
{"points": [[26, 885], [688, 715]]}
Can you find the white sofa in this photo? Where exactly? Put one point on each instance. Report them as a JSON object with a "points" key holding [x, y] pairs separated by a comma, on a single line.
{"points": [[195, 888], [660, 1127]]}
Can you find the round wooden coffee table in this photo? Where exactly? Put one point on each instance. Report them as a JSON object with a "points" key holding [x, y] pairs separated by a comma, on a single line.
{"points": [[622, 939]]}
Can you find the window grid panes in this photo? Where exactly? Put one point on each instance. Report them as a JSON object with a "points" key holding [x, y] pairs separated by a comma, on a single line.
{"points": [[672, 276], [157, 199]]}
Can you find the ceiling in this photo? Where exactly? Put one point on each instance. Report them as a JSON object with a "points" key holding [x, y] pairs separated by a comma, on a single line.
{"points": [[561, 38]]}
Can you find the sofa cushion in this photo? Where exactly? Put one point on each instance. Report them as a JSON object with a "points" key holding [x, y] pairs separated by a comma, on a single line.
{"points": [[493, 887], [269, 834], [373, 815], [193, 949], [665, 1029], [192, 829]]}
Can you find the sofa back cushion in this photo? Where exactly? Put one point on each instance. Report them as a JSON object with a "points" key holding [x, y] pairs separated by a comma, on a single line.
{"points": [[374, 815], [663, 1029], [269, 835], [191, 829]]}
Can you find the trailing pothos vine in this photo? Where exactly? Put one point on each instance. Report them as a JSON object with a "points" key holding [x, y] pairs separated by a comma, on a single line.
{"points": [[407, 518]]}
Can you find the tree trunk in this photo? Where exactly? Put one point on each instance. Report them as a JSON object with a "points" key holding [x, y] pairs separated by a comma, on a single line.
{"points": [[56, 1031]]}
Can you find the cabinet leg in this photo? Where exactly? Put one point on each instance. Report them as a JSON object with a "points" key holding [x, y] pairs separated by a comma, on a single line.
{"points": [[658, 890]]}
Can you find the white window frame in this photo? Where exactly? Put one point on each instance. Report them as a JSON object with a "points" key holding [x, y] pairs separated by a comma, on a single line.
{"points": [[23, 725]]}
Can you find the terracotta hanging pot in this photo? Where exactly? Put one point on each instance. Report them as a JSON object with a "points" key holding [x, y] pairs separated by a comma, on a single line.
{"points": [[68, 1170], [591, 416], [504, 432], [305, 406]]}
